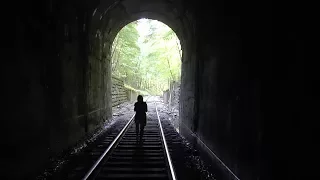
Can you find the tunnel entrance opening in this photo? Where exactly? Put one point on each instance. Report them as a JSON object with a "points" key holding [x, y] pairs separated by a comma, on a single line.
{"points": [[146, 60], [104, 23]]}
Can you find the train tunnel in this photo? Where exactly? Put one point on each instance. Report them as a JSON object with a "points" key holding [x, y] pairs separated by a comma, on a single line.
{"points": [[244, 97]]}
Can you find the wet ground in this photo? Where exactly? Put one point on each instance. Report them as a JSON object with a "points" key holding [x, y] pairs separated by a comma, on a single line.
{"points": [[188, 164]]}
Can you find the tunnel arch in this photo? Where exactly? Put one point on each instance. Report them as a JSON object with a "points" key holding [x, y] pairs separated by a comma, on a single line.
{"points": [[109, 17], [147, 15]]}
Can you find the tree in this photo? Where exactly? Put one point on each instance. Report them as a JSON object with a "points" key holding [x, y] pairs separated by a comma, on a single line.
{"points": [[147, 55]]}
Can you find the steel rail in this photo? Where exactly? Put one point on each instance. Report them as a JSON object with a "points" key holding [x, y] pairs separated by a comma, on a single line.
{"points": [[109, 148], [173, 175]]}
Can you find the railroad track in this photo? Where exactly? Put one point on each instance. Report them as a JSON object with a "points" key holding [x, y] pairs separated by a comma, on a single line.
{"points": [[128, 158]]}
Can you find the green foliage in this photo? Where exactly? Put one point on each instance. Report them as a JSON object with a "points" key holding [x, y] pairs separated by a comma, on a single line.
{"points": [[147, 55], [141, 92], [125, 51]]}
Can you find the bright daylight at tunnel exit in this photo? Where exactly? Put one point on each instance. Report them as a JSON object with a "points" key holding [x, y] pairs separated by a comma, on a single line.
{"points": [[146, 59]]}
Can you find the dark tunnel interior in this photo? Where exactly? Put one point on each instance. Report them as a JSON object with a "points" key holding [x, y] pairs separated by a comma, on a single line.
{"points": [[247, 92]]}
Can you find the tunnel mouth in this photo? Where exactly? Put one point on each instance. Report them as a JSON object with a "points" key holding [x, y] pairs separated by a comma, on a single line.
{"points": [[145, 60], [104, 24]]}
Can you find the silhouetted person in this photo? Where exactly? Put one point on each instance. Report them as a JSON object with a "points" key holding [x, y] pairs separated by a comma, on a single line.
{"points": [[140, 118]]}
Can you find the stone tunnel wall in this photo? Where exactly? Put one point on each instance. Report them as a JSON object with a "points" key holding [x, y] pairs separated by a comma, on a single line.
{"points": [[175, 96], [118, 92], [172, 96], [132, 95], [61, 91], [236, 87]]}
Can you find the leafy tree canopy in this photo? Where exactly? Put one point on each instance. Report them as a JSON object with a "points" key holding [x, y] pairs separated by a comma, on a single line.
{"points": [[146, 54]]}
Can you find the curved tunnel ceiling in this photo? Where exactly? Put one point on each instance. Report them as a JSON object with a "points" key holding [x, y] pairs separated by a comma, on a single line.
{"points": [[111, 16]]}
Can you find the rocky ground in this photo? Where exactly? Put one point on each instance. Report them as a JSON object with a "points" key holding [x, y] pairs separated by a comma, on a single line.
{"points": [[172, 113], [61, 161], [189, 163]]}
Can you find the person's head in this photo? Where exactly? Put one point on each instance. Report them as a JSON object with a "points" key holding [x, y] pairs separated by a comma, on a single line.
{"points": [[140, 98]]}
